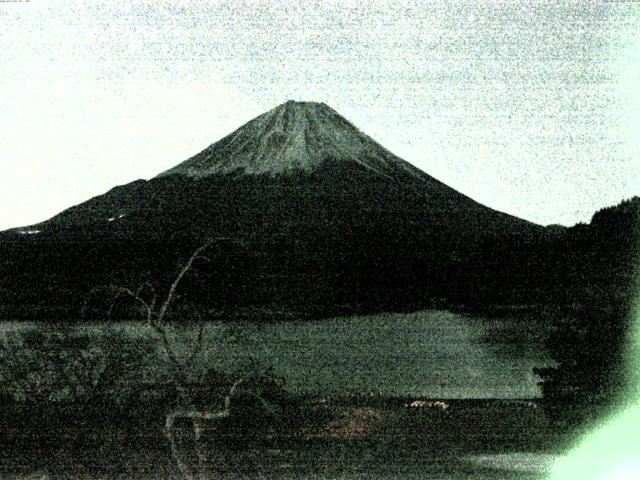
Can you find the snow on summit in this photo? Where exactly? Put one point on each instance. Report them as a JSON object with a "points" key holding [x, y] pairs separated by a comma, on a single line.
{"points": [[294, 136]]}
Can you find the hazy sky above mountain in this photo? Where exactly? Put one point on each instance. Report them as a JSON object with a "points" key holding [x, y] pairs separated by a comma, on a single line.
{"points": [[530, 109]]}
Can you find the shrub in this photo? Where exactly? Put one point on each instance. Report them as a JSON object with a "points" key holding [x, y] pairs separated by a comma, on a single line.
{"points": [[258, 402], [588, 347], [63, 363]]}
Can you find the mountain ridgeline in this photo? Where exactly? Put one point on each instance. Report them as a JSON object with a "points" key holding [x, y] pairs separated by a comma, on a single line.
{"points": [[308, 216]]}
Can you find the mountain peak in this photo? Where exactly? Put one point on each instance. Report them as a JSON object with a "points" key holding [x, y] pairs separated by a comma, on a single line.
{"points": [[294, 136], [302, 104]]}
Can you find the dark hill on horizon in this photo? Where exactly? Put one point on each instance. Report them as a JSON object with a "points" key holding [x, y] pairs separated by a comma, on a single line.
{"points": [[309, 216]]}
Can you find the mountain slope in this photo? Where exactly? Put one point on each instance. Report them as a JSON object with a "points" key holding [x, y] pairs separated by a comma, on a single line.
{"points": [[293, 147]]}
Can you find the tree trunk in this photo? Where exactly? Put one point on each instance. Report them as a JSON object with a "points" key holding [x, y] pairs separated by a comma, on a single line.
{"points": [[197, 418]]}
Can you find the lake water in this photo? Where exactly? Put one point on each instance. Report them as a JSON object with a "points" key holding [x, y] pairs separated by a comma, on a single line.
{"points": [[435, 354]]}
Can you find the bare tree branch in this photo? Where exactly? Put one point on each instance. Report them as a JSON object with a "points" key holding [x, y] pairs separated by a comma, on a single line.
{"points": [[154, 317], [138, 299], [229, 396], [196, 417], [187, 266], [196, 346]]}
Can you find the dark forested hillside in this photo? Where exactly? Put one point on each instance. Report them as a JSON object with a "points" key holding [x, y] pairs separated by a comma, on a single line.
{"points": [[306, 215], [310, 243], [590, 339]]}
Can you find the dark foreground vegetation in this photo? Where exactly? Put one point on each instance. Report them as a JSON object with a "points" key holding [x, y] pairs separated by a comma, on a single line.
{"points": [[310, 438], [594, 327]]}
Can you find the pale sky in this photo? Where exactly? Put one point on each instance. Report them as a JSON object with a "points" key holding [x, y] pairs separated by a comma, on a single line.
{"points": [[532, 108]]}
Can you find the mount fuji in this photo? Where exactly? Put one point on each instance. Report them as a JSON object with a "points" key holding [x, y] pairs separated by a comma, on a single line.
{"points": [[307, 214]]}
